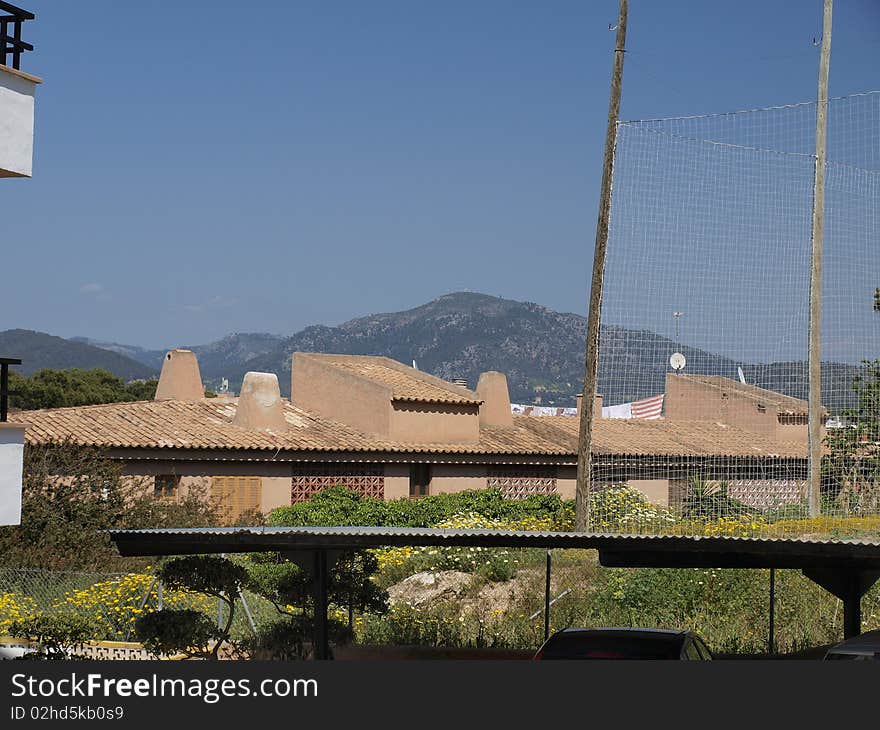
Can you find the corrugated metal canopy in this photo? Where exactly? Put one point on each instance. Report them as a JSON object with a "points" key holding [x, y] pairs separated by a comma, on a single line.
{"points": [[614, 550]]}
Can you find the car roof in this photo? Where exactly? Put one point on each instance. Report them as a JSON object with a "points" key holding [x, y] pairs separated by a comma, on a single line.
{"points": [[611, 630], [867, 642]]}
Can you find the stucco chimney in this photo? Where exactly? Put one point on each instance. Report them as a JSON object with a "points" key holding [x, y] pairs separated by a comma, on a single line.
{"points": [[180, 378], [259, 404], [495, 409], [597, 405]]}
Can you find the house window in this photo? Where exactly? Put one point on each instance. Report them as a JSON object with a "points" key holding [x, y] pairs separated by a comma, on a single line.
{"points": [[236, 495], [165, 487], [419, 480]]}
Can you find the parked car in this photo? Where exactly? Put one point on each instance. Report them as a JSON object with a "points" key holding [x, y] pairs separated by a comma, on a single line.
{"points": [[864, 647], [621, 643]]}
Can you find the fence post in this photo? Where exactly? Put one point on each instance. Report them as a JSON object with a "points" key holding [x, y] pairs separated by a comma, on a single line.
{"points": [[547, 601]]}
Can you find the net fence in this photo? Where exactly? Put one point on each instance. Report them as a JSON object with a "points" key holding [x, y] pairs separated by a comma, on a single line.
{"points": [[703, 360], [111, 602]]}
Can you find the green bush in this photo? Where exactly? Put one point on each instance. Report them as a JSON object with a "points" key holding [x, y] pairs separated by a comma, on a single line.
{"points": [[289, 588], [341, 506], [208, 574], [710, 500], [56, 636], [625, 509], [181, 631], [187, 630], [287, 639]]}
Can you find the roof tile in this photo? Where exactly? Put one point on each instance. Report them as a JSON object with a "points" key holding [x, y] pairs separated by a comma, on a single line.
{"points": [[407, 384], [208, 425]]}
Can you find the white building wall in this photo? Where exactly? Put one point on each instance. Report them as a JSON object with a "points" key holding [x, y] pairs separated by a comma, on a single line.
{"points": [[16, 122], [11, 463]]}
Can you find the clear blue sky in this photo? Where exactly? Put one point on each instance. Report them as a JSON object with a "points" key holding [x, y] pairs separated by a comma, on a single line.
{"points": [[208, 167]]}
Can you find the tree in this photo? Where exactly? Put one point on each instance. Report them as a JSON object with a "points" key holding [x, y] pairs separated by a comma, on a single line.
{"points": [[289, 588], [53, 636], [75, 387], [853, 464], [71, 496], [188, 631]]}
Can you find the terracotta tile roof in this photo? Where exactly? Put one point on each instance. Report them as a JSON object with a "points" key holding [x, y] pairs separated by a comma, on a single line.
{"points": [[208, 425], [180, 425], [638, 437], [406, 383], [784, 403]]}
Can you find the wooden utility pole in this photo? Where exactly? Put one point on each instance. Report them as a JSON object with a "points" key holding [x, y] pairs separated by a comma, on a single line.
{"points": [[588, 400], [815, 361]]}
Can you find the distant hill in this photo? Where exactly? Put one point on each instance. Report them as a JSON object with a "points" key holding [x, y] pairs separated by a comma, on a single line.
{"points": [[460, 335], [150, 358], [39, 350]]}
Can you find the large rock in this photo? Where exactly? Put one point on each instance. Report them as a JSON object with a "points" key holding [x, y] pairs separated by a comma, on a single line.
{"points": [[426, 587]]}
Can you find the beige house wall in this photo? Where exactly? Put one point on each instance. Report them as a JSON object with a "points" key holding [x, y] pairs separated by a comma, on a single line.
{"points": [[795, 433], [396, 481], [457, 477], [688, 400], [200, 485], [197, 477], [332, 393], [656, 491], [435, 423], [275, 492], [208, 468], [566, 481]]}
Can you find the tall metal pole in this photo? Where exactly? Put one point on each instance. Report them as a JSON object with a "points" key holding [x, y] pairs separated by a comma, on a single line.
{"points": [[4, 391], [584, 477], [547, 601], [815, 363], [5, 362], [771, 638]]}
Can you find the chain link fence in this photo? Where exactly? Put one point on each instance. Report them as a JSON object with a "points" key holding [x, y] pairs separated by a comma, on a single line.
{"points": [[112, 602], [705, 321]]}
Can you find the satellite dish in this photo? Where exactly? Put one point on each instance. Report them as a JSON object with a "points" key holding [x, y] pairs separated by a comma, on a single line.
{"points": [[677, 361]]}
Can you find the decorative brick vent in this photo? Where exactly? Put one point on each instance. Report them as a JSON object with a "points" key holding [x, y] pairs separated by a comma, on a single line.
{"points": [[755, 493], [309, 479], [763, 494], [521, 482]]}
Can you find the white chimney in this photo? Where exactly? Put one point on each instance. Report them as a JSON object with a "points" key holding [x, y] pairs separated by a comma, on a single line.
{"points": [[260, 407]]}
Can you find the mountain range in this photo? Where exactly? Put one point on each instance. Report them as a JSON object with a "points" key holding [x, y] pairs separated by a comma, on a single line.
{"points": [[458, 335]]}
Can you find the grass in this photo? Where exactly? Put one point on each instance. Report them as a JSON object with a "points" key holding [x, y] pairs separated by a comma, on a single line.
{"points": [[728, 608]]}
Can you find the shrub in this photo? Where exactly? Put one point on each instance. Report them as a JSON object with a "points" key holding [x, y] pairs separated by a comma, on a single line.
{"points": [[624, 509], [289, 588], [181, 631], [209, 575], [341, 506], [14, 607], [710, 500], [56, 636], [114, 605], [287, 639], [494, 564], [64, 520]]}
